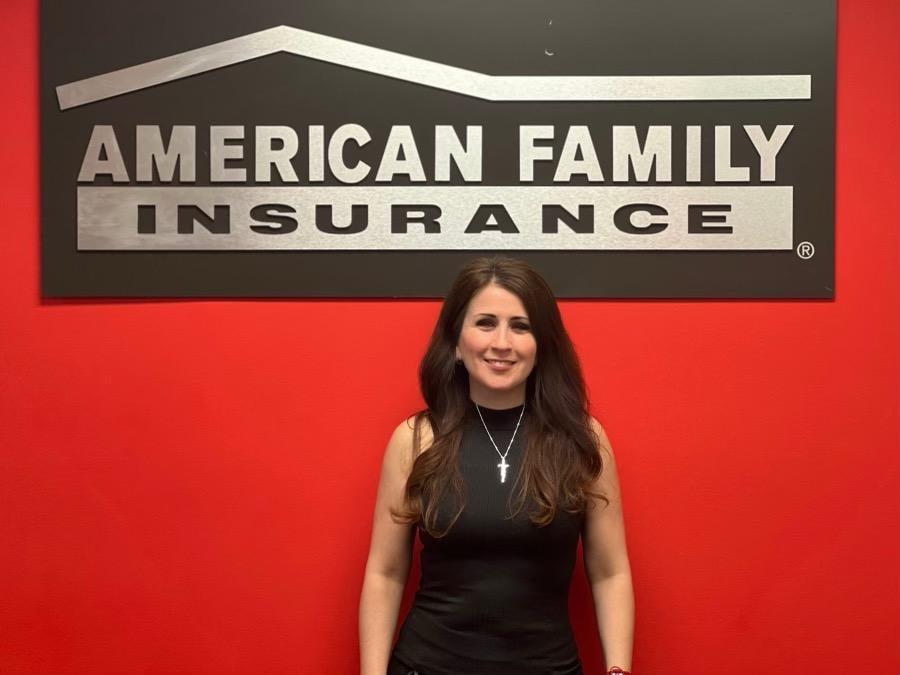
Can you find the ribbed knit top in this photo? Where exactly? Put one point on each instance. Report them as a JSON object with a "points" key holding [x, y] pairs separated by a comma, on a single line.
{"points": [[493, 594]]}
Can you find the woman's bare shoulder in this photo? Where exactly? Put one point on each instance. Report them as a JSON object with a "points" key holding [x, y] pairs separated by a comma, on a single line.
{"points": [[407, 429], [399, 452], [425, 431]]}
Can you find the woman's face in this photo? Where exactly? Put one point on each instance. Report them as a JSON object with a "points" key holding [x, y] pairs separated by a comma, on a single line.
{"points": [[496, 326]]}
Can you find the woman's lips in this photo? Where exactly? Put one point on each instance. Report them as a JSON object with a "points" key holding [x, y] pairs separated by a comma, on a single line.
{"points": [[499, 366]]}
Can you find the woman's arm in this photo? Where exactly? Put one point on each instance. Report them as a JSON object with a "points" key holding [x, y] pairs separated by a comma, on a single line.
{"points": [[606, 563], [388, 563]]}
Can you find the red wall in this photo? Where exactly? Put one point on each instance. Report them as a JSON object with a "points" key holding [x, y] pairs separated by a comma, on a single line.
{"points": [[186, 486]]}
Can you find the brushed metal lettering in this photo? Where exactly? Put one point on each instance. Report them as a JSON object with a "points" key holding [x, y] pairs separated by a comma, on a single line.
{"points": [[578, 140], [150, 151], [103, 157], [768, 148], [725, 172], [400, 141], [316, 148], [693, 145], [268, 156], [220, 150], [448, 147], [655, 156], [344, 133], [530, 152]]}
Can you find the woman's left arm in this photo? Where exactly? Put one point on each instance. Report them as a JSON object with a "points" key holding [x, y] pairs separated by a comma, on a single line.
{"points": [[606, 563]]}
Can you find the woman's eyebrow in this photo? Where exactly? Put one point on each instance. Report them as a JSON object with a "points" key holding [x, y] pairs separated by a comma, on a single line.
{"points": [[494, 316]]}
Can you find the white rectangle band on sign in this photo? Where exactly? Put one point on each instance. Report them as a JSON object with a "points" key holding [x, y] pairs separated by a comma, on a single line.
{"points": [[602, 218]]}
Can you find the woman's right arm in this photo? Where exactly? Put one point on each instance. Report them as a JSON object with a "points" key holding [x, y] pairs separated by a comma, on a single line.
{"points": [[390, 553]]}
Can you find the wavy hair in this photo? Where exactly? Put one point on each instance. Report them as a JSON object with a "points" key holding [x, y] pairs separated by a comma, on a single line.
{"points": [[561, 457]]}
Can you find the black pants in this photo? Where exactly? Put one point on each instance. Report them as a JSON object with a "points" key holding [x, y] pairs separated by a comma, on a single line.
{"points": [[396, 667]]}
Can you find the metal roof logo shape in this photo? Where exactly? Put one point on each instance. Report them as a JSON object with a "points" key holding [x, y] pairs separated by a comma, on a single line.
{"points": [[430, 74]]}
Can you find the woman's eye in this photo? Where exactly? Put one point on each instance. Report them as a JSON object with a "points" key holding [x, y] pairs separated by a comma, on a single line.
{"points": [[518, 326]]}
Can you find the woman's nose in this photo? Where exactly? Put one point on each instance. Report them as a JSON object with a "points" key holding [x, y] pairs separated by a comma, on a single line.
{"points": [[501, 338]]}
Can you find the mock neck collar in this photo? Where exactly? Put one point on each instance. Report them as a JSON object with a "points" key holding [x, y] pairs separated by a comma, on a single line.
{"points": [[497, 413]]}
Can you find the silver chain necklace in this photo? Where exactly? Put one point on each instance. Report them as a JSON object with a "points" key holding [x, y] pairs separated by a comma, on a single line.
{"points": [[503, 466]]}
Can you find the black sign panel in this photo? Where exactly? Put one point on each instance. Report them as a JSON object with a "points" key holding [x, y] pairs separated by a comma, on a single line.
{"points": [[333, 149]]}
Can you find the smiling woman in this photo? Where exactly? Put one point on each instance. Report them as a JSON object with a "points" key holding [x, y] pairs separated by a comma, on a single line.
{"points": [[501, 379], [497, 347]]}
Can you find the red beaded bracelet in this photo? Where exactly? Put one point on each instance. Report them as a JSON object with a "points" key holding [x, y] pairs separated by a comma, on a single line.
{"points": [[618, 671]]}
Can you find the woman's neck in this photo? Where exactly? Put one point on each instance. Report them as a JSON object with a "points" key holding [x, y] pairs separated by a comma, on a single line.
{"points": [[498, 400]]}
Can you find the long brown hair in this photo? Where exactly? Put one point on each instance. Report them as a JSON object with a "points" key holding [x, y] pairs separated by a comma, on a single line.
{"points": [[561, 458]]}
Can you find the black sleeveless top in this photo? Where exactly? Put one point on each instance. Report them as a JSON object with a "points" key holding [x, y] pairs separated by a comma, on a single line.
{"points": [[493, 594]]}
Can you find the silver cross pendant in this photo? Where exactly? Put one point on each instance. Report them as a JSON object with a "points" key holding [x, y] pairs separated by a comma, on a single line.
{"points": [[503, 467]]}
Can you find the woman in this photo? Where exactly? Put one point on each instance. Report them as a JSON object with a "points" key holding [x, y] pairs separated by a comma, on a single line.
{"points": [[500, 473]]}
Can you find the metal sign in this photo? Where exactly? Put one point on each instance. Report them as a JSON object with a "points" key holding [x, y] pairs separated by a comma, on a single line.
{"points": [[320, 150]]}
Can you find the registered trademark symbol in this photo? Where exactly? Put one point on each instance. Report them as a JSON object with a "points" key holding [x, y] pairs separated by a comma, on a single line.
{"points": [[806, 250]]}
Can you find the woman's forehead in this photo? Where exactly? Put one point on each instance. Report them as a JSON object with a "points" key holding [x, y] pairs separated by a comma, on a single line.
{"points": [[498, 302]]}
